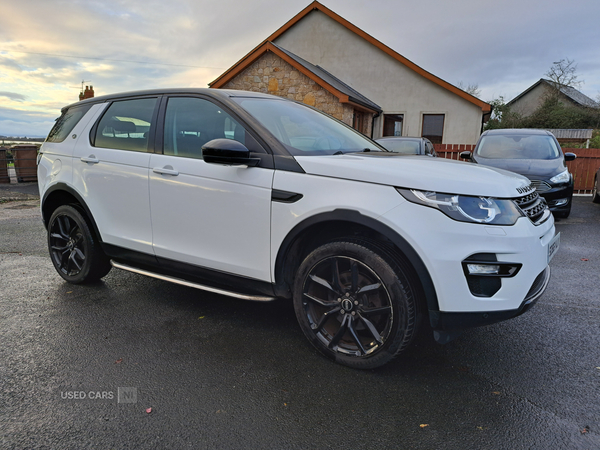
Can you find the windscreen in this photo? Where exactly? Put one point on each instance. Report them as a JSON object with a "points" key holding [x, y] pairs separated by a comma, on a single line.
{"points": [[406, 147], [304, 131], [518, 146]]}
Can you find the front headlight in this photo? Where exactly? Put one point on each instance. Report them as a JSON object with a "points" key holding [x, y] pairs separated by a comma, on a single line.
{"points": [[562, 177], [464, 208]]}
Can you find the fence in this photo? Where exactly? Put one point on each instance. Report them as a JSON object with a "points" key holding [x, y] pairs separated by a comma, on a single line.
{"points": [[23, 157], [583, 167]]}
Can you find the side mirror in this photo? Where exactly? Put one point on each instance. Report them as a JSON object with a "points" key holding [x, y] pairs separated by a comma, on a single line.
{"points": [[466, 155], [227, 152], [570, 156]]}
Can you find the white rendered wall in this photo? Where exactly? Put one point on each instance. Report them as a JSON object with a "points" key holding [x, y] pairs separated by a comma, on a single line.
{"points": [[394, 87]]}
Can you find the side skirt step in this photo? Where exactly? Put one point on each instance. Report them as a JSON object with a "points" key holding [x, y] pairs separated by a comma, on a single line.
{"points": [[255, 298]]}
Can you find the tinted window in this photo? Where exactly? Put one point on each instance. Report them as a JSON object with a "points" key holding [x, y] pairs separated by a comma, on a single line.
{"points": [[192, 122], [518, 146], [65, 123], [126, 125]]}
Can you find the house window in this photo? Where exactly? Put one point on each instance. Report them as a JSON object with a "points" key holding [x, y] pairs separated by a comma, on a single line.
{"points": [[392, 124], [357, 121], [433, 127]]}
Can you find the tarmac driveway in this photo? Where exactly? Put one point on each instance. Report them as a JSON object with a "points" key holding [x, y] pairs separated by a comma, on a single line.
{"points": [[133, 362]]}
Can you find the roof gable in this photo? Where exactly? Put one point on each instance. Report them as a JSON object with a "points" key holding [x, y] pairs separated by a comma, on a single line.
{"points": [[315, 5], [570, 92], [326, 80]]}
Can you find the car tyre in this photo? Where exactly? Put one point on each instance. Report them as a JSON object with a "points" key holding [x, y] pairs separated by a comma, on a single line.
{"points": [[74, 249], [354, 303], [595, 194]]}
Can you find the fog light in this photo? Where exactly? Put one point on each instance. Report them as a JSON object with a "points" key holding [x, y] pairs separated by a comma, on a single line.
{"points": [[561, 202], [483, 269]]}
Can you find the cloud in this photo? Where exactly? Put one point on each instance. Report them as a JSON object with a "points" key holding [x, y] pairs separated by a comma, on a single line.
{"points": [[15, 122], [48, 48], [13, 96]]}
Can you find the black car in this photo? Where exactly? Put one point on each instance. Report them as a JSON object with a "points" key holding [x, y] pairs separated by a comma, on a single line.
{"points": [[407, 145], [535, 154], [595, 193]]}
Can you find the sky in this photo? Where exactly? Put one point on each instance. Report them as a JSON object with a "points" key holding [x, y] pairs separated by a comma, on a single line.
{"points": [[48, 47]]}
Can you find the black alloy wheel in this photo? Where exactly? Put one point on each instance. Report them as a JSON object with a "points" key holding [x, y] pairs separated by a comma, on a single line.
{"points": [[74, 251], [352, 306]]}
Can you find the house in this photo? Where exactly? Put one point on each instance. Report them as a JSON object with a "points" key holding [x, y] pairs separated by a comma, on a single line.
{"points": [[533, 97], [321, 59]]}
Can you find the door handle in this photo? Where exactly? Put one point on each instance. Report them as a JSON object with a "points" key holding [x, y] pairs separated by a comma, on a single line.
{"points": [[90, 159], [167, 170]]}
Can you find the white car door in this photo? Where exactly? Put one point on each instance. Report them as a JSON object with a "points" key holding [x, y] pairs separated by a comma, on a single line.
{"points": [[111, 173], [209, 215]]}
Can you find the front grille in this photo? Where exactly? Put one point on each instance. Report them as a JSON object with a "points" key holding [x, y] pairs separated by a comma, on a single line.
{"points": [[533, 206], [541, 186]]}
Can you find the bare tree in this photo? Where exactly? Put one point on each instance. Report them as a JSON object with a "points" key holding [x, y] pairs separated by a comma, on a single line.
{"points": [[472, 89], [562, 73]]}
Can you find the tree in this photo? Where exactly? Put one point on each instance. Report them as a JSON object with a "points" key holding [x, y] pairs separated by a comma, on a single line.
{"points": [[562, 74], [502, 116], [472, 89]]}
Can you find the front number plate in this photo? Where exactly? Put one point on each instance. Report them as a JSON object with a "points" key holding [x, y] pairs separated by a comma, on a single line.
{"points": [[553, 246]]}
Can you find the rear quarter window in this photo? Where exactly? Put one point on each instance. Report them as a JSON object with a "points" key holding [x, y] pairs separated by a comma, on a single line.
{"points": [[66, 122], [126, 125]]}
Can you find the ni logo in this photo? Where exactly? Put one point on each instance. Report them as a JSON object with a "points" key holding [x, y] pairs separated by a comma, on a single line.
{"points": [[126, 395]]}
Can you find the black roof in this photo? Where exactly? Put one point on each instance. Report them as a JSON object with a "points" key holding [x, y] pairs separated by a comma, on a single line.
{"points": [[147, 92]]}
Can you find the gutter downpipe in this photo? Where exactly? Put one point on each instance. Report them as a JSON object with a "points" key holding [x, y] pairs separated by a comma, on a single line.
{"points": [[489, 114], [373, 122]]}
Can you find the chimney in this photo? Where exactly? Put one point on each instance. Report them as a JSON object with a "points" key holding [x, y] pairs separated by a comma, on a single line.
{"points": [[88, 93]]}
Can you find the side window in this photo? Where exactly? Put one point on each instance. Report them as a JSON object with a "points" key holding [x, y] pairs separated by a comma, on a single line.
{"points": [[192, 122], [126, 125], [65, 123]]}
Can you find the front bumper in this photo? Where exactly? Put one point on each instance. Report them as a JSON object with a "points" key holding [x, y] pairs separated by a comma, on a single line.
{"points": [[558, 197], [443, 244], [453, 321]]}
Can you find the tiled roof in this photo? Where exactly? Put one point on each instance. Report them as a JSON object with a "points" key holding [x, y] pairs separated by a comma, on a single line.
{"points": [[332, 80], [568, 91], [316, 6]]}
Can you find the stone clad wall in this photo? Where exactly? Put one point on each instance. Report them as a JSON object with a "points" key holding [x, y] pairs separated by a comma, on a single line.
{"points": [[272, 75]]}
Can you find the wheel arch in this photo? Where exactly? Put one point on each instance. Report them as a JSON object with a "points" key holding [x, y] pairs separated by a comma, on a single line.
{"points": [[62, 194], [338, 224]]}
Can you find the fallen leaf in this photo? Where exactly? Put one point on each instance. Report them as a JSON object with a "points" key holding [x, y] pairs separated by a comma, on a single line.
{"points": [[148, 410], [118, 361], [423, 425], [584, 259], [496, 393], [585, 430], [69, 292], [201, 317]]}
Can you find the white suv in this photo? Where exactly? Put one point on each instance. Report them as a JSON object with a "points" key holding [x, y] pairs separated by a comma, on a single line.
{"points": [[258, 197]]}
